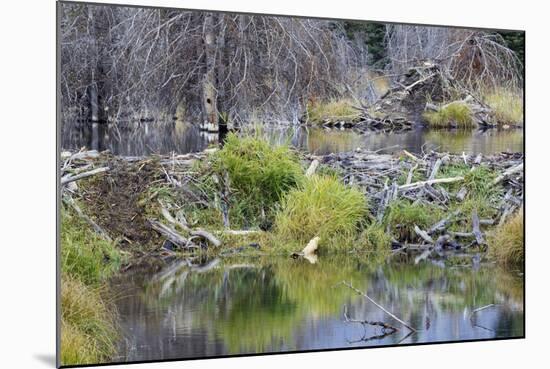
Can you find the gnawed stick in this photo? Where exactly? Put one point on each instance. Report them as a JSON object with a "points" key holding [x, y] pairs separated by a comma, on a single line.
{"points": [[433, 181], [70, 178], [240, 232], [410, 175], [435, 169], [379, 306], [312, 168]]}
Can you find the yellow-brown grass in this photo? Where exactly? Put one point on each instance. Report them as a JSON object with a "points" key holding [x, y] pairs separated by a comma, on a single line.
{"points": [[506, 245]]}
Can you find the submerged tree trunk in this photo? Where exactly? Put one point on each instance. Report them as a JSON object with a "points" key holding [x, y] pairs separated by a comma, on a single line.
{"points": [[209, 92]]}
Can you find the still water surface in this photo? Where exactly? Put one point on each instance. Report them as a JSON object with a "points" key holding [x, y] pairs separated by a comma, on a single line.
{"points": [[179, 137], [243, 306]]}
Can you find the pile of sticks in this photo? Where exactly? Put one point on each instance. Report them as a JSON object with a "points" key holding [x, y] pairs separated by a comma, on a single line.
{"points": [[380, 176]]}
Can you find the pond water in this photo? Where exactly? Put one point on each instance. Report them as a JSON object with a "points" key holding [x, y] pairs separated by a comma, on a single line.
{"points": [[180, 137], [255, 305]]}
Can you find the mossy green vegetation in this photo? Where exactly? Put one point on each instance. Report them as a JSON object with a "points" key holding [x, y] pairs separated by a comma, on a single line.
{"points": [[374, 238], [506, 244], [323, 206], [259, 175], [455, 114], [341, 110], [88, 330], [84, 254], [507, 105]]}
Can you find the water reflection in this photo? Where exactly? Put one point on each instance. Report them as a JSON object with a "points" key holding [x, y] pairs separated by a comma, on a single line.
{"points": [[176, 136], [279, 304]]}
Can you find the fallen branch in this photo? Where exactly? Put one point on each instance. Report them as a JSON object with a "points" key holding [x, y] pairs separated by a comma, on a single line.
{"points": [[507, 173], [379, 306], [424, 235], [71, 178], [429, 182], [199, 232], [171, 234]]}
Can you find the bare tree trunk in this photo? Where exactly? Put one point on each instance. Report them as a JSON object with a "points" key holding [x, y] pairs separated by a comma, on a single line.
{"points": [[209, 92]]}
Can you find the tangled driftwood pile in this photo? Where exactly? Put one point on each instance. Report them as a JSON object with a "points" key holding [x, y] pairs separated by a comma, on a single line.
{"points": [[379, 174], [422, 88], [381, 177]]}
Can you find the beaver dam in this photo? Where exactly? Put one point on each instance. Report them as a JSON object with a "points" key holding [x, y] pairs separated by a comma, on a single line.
{"points": [[257, 248]]}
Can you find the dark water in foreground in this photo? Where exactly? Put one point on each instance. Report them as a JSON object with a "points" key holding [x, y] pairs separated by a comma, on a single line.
{"points": [[279, 304], [179, 137]]}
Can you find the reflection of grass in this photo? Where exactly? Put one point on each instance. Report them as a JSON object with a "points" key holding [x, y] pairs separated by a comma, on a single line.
{"points": [[320, 141], [449, 140], [259, 309]]}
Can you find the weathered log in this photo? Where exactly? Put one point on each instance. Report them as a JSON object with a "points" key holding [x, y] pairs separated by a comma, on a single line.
{"points": [[507, 173], [71, 178], [441, 225], [424, 235], [171, 234]]}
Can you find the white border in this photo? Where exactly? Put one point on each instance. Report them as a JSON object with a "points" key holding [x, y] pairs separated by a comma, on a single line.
{"points": [[28, 180]]}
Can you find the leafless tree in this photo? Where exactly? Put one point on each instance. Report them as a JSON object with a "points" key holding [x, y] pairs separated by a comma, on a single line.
{"points": [[473, 57], [119, 62]]}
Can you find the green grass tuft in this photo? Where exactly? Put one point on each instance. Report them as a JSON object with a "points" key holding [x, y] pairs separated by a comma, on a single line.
{"points": [[323, 207], [259, 173], [455, 114], [374, 238], [506, 244]]}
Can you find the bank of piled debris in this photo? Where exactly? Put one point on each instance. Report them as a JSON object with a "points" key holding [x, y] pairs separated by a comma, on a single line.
{"points": [[463, 195], [423, 88]]}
